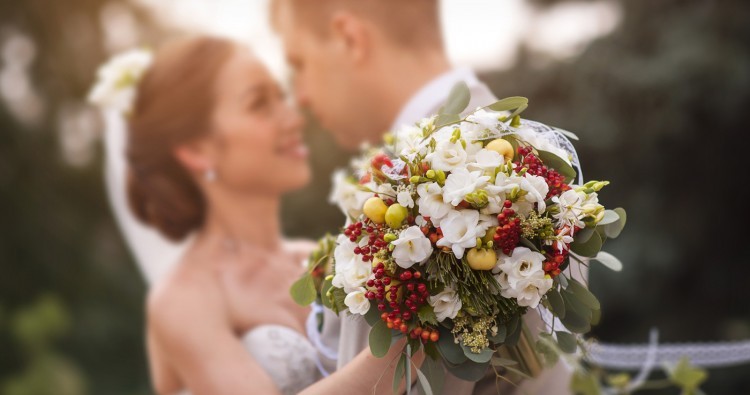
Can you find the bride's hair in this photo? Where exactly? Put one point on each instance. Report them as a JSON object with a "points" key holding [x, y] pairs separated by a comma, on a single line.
{"points": [[174, 105]]}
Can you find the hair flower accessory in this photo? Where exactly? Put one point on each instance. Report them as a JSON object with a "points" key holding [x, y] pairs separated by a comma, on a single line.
{"points": [[118, 79]]}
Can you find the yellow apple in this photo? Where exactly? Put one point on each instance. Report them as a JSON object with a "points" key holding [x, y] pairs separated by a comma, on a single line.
{"points": [[481, 259], [502, 147], [375, 209], [395, 215]]}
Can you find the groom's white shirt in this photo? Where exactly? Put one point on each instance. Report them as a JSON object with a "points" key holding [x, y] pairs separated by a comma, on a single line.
{"points": [[353, 331]]}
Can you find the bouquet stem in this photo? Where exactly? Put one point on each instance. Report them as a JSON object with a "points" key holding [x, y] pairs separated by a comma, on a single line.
{"points": [[524, 352]]}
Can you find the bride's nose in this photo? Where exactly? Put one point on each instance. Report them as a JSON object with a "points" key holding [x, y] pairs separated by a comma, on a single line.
{"points": [[292, 118]]}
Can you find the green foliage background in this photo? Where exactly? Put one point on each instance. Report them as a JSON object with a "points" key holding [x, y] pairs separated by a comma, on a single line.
{"points": [[661, 106]]}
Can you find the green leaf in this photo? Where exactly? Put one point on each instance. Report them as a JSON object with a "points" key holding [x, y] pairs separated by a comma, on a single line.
{"points": [[528, 244], [584, 383], [544, 346], [590, 248], [431, 350], [584, 295], [303, 290], [556, 302], [686, 376], [575, 320], [373, 315], [567, 342], [509, 104], [567, 134], [398, 375], [514, 332], [424, 384], [610, 217], [502, 333], [614, 229], [434, 374], [450, 351], [427, 315], [458, 99], [468, 370], [609, 260], [446, 119], [583, 235], [327, 284], [481, 357], [557, 163], [562, 280], [596, 316], [380, 339]]}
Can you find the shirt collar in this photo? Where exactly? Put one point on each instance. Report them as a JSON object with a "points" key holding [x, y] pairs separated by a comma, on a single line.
{"points": [[432, 95]]}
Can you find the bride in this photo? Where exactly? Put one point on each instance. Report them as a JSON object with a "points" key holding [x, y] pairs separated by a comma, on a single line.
{"points": [[212, 147]]}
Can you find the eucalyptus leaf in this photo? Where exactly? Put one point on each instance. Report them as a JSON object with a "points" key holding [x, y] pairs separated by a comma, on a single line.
{"points": [[573, 304], [575, 320], [509, 104], [469, 370], [327, 284], [481, 357], [562, 280], [584, 295], [528, 244], [545, 348], [446, 119], [433, 372], [424, 384], [686, 376], [556, 302], [566, 341], [557, 163], [450, 351], [398, 375], [372, 316], [303, 290], [609, 260], [567, 134], [610, 216], [458, 99], [614, 229], [590, 248], [380, 339], [515, 327], [596, 316], [583, 235]]}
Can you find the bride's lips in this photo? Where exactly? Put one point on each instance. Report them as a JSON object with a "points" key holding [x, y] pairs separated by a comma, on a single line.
{"points": [[293, 148]]}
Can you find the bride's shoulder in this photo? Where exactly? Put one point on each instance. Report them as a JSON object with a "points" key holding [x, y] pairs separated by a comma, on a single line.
{"points": [[182, 296], [301, 247]]}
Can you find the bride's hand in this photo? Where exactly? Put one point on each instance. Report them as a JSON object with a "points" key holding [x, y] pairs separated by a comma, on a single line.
{"points": [[365, 373]]}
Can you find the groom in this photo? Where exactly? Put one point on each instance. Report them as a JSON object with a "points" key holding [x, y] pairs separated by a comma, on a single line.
{"points": [[365, 67]]}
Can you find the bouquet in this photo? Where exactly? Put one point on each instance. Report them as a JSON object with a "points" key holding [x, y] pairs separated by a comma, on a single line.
{"points": [[458, 227]]}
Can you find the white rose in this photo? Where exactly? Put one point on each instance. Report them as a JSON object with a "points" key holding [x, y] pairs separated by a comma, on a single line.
{"points": [[460, 231], [404, 198], [530, 290], [447, 156], [408, 141], [536, 191], [431, 202], [411, 247], [446, 304], [460, 183], [487, 161], [351, 271], [523, 263], [357, 302], [347, 196]]}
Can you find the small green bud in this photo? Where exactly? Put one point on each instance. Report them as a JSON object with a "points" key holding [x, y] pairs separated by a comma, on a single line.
{"points": [[414, 179], [389, 237], [431, 174]]}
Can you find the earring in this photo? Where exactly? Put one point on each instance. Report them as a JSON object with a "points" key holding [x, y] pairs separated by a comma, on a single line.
{"points": [[209, 175]]}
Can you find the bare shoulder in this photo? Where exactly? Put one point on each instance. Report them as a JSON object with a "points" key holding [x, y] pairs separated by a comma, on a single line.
{"points": [[303, 247], [185, 297]]}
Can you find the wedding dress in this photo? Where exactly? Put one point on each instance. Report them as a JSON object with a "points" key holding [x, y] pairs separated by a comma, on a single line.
{"points": [[286, 355]]}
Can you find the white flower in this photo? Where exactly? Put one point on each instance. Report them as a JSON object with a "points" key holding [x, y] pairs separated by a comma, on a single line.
{"points": [[530, 290], [540, 142], [411, 247], [404, 198], [385, 189], [347, 195], [460, 231], [357, 302], [407, 141], [447, 156], [571, 209], [351, 271], [486, 161], [521, 276], [118, 78], [431, 202], [460, 183], [446, 304], [483, 124], [505, 184], [536, 191]]}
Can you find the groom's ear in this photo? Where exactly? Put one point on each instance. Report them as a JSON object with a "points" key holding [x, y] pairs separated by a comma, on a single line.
{"points": [[352, 35]]}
